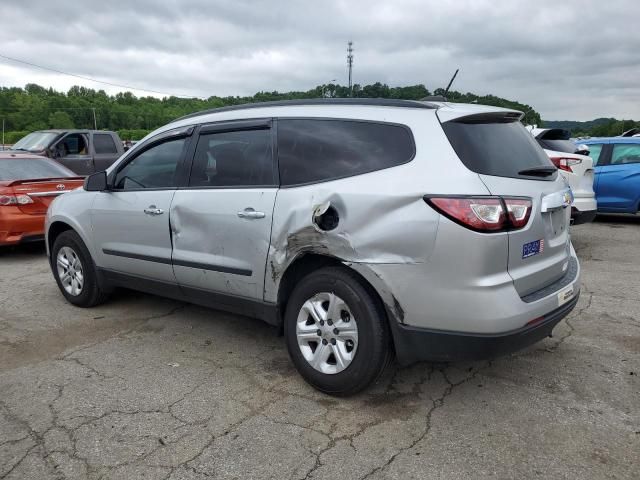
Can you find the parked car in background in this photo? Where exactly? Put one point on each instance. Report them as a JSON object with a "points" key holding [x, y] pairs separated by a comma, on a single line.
{"points": [[617, 173], [362, 227], [81, 151], [575, 166], [28, 184]]}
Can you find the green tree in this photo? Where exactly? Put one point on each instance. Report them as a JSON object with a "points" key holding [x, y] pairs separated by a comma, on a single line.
{"points": [[60, 120]]}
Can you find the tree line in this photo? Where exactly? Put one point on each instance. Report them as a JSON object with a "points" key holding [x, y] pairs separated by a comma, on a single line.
{"points": [[37, 108]]}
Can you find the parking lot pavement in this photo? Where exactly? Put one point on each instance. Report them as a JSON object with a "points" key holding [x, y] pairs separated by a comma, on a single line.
{"points": [[143, 387]]}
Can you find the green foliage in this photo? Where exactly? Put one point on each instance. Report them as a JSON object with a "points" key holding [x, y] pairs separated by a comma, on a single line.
{"points": [[60, 120], [38, 108], [600, 127]]}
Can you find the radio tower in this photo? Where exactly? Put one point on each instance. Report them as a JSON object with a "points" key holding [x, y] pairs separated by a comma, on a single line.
{"points": [[350, 64]]}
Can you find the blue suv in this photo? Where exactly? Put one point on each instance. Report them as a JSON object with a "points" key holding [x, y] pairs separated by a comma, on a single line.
{"points": [[617, 173]]}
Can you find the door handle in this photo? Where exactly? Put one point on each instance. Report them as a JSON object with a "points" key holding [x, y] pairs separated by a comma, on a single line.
{"points": [[250, 213], [153, 210]]}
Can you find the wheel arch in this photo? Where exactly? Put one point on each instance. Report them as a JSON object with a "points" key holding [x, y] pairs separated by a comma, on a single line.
{"points": [[308, 262]]}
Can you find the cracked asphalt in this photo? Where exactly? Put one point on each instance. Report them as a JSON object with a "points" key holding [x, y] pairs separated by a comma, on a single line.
{"points": [[144, 387]]}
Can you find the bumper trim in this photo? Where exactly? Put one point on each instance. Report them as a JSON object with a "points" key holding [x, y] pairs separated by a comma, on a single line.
{"points": [[415, 344]]}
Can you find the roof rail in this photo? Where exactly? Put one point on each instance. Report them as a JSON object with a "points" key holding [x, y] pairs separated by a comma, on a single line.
{"points": [[379, 102]]}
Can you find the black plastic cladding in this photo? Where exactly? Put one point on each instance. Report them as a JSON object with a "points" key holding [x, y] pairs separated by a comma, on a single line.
{"points": [[378, 102]]}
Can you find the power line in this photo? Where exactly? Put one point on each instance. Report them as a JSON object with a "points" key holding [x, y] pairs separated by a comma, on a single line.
{"points": [[91, 79]]}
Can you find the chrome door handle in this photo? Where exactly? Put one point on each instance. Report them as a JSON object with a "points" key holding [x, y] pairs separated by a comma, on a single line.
{"points": [[153, 210], [250, 213]]}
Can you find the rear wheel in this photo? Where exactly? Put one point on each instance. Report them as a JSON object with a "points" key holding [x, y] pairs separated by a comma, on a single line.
{"points": [[336, 332], [74, 271]]}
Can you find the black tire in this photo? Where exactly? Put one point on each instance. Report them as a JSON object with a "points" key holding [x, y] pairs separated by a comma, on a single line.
{"points": [[91, 293], [374, 339]]}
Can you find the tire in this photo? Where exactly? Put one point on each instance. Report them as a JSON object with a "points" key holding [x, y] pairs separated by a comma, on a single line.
{"points": [[364, 323], [73, 248]]}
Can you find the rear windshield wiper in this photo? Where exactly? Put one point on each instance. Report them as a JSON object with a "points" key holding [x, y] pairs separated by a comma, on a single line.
{"points": [[538, 171]]}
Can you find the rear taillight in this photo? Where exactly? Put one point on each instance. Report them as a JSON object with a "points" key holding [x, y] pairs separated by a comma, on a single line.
{"points": [[565, 163], [484, 214], [6, 200]]}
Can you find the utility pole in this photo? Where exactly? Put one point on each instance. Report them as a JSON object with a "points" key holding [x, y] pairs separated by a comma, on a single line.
{"points": [[95, 123], [350, 64], [2, 133]]}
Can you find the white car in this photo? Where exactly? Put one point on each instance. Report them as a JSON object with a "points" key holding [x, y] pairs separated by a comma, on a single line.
{"points": [[574, 166]]}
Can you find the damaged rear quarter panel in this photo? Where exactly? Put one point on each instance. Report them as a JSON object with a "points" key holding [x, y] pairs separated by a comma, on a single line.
{"points": [[378, 223]]}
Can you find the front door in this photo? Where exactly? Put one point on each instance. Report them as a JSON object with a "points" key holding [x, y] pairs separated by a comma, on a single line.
{"points": [[131, 220], [72, 151], [617, 188], [221, 223]]}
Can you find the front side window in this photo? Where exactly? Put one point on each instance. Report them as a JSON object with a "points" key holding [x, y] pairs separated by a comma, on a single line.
{"points": [[625, 153], [73, 144], [321, 150], [154, 168], [103, 143], [594, 152], [233, 159]]}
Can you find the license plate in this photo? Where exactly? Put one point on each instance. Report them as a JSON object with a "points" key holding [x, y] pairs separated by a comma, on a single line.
{"points": [[532, 248], [565, 295]]}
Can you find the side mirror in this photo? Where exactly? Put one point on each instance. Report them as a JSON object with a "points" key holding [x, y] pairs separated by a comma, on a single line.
{"points": [[96, 182]]}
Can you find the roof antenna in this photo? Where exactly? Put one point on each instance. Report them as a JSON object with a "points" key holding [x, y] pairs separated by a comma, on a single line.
{"points": [[441, 98], [446, 90]]}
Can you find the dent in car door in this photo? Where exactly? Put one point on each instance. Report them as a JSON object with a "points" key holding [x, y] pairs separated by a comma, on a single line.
{"points": [[221, 224]]}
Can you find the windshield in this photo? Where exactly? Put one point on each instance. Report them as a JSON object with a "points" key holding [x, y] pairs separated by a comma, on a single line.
{"points": [[35, 141], [31, 169]]}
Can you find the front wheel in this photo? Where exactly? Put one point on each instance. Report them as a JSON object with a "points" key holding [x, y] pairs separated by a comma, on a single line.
{"points": [[74, 271], [336, 332]]}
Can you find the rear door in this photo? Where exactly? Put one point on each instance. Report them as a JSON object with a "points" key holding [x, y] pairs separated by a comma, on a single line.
{"points": [[131, 220], [618, 186], [105, 151], [221, 223], [511, 163]]}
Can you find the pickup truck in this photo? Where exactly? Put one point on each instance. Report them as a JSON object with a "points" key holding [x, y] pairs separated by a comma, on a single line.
{"points": [[82, 151]]}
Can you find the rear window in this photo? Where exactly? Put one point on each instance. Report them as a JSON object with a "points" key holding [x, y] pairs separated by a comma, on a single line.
{"points": [[320, 150], [103, 143], [31, 169], [500, 149], [558, 140]]}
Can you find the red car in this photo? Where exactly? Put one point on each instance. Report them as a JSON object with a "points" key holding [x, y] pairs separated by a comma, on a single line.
{"points": [[28, 184]]}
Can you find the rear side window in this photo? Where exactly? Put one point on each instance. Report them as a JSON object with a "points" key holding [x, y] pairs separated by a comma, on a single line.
{"points": [[320, 150], [104, 143], [500, 149], [233, 159]]}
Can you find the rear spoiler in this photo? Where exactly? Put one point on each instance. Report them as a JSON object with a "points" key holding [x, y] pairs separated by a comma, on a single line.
{"points": [[487, 117], [41, 180]]}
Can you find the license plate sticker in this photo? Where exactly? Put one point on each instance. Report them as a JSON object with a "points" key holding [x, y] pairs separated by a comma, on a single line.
{"points": [[532, 248], [565, 295]]}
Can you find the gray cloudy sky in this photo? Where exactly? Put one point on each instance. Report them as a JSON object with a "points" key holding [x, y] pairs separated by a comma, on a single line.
{"points": [[569, 59]]}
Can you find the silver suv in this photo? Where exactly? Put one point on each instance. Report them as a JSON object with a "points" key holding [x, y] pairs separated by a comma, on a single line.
{"points": [[360, 227]]}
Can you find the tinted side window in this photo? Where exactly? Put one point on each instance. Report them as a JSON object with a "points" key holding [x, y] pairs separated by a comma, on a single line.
{"points": [[233, 159], [625, 153], [104, 143], [153, 168], [594, 152], [321, 150]]}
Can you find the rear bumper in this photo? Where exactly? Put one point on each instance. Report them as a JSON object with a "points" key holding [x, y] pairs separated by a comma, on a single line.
{"points": [[19, 228], [415, 344]]}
